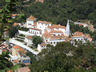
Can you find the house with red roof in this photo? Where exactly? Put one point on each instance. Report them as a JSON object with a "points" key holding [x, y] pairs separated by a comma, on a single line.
{"points": [[79, 36], [30, 21]]}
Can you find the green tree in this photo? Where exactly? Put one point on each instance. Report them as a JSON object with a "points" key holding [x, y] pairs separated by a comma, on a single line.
{"points": [[13, 31], [37, 40]]}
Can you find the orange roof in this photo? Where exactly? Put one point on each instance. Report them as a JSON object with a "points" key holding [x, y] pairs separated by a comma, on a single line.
{"points": [[15, 61], [57, 37], [54, 31], [31, 18], [78, 34], [15, 24], [19, 49], [9, 71], [14, 15], [44, 22], [16, 46], [80, 24], [52, 37], [29, 37], [56, 26]]}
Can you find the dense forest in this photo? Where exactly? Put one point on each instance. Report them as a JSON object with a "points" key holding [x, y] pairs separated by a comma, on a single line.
{"points": [[65, 57], [58, 11]]}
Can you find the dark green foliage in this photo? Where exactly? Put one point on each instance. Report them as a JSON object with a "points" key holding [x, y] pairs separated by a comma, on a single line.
{"points": [[58, 11], [23, 28], [4, 63], [7, 8], [54, 59], [13, 31], [37, 40]]}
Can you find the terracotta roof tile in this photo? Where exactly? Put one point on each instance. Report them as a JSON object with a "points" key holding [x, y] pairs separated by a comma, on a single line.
{"points": [[56, 26], [14, 15], [54, 31], [29, 37], [18, 48], [44, 22], [15, 24], [53, 37], [9, 71], [15, 61], [31, 18], [78, 34]]}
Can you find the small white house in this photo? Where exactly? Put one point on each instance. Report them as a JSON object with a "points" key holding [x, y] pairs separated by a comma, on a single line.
{"points": [[83, 23], [30, 21], [78, 36]]}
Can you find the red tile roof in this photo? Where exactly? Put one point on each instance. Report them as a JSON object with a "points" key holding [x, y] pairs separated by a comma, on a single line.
{"points": [[15, 24], [44, 22], [29, 37], [14, 15], [54, 31], [18, 48], [31, 18], [9, 71], [57, 26], [15, 61], [78, 34], [53, 37]]}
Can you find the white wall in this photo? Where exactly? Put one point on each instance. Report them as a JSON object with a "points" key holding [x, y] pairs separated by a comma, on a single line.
{"points": [[84, 24], [35, 32], [29, 23], [78, 38], [42, 26]]}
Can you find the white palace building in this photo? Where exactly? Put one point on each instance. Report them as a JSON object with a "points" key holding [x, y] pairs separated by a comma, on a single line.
{"points": [[51, 33]]}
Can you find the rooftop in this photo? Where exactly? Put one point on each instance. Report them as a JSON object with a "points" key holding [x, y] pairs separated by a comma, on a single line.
{"points": [[15, 24], [32, 18], [29, 37], [18, 48], [57, 26], [14, 15], [55, 31], [44, 22], [78, 34]]}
